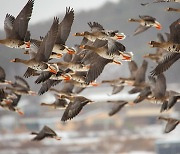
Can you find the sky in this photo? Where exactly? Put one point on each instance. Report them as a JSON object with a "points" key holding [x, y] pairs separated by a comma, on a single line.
{"points": [[44, 9]]}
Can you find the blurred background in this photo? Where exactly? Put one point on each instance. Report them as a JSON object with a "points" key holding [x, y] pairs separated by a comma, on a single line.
{"points": [[133, 130]]}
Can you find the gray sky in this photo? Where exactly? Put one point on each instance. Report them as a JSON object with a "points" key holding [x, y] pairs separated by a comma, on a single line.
{"points": [[44, 9]]}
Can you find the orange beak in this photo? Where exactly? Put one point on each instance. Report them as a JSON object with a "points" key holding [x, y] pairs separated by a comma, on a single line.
{"points": [[158, 26], [82, 46], [88, 66], [52, 70], [94, 84], [20, 112], [71, 52], [59, 55], [117, 62], [66, 77], [28, 44], [7, 101], [56, 55], [128, 58], [120, 36]]}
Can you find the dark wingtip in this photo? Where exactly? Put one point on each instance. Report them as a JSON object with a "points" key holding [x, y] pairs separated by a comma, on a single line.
{"points": [[37, 81], [153, 73]]}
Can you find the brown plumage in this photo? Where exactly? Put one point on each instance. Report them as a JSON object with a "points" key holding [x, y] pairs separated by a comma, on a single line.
{"points": [[173, 44], [139, 80], [145, 23], [74, 107], [59, 103], [173, 100], [98, 32], [171, 123], [167, 61], [118, 105], [173, 9], [20, 87], [3, 77], [10, 101], [45, 132], [39, 62], [158, 55], [155, 90], [64, 28], [160, 1], [16, 28]]}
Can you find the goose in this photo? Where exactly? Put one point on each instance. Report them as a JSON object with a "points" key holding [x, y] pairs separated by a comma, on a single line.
{"points": [[45, 132], [173, 9], [74, 107], [98, 32], [145, 22], [64, 29], [40, 61], [3, 77], [20, 87], [10, 102], [171, 123], [160, 1], [172, 46], [16, 28]]}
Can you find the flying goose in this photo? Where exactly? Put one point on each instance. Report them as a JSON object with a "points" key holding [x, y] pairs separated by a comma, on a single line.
{"points": [[16, 28], [10, 101], [40, 61], [171, 123], [59, 103], [145, 22], [74, 107], [45, 132], [172, 46], [173, 9], [3, 77], [98, 32], [160, 1], [158, 55], [20, 87], [118, 105]]}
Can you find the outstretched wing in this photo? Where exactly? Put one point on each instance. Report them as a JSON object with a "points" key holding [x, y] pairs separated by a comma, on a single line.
{"points": [[65, 26], [175, 31], [8, 25], [140, 29], [20, 24], [47, 44]]}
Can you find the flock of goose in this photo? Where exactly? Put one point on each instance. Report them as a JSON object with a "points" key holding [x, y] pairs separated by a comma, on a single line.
{"points": [[52, 62]]}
